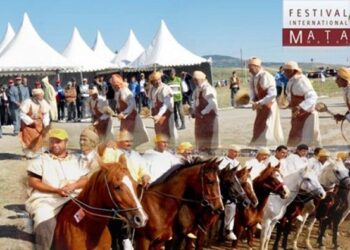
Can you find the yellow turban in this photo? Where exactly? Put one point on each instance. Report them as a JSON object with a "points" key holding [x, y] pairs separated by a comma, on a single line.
{"points": [[344, 73], [37, 91], [323, 152], [58, 133], [254, 61], [342, 155], [161, 138], [156, 75], [184, 146], [124, 135]]}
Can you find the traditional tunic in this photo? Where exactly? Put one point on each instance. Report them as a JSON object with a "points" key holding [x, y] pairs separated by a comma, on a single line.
{"points": [[103, 121], [347, 101], [135, 163], [56, 173], [206, 128], [226, 161], [267, 125], [34, 117], [89, 162], [159, 162], [50, 97], [163, 105], [294, 164], [274, 162], [257, 167], [132, 123], [305, 128]]}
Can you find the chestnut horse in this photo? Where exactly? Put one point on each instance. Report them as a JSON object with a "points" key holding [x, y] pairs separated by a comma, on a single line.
{"points": [[235, 187], [191, 183], [269, 181], [109, 193]]}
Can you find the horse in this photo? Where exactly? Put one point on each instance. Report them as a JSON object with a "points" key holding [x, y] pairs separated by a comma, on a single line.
{"points": [[302, 181], [110, 192], [193, 220], [191, 183], [269, 180], [332, 174]]}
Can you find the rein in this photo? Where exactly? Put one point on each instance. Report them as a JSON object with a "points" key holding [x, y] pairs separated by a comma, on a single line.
{"points": [[116, 211]]}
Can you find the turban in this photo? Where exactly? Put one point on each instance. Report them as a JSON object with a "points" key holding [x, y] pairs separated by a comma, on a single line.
{"points": [[342, 155], [156, 75], [124, 135], [117, 78], [263, 151], [323, 152], [37, 91], [292, 65], [254, 61], [234, 147], [199, 75], [344, 73], [58, 133], [91, 135], [184, 146], [161, 138]]}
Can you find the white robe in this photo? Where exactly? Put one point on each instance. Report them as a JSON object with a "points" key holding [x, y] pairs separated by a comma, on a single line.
{"points": [[257, 167], [294, 164], [300, 85], [274, 162], [158, 163], [228, 161], [273, 133], [56, 173]]}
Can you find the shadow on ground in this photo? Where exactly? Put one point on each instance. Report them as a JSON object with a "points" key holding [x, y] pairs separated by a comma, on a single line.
{"points": [[8, 156]]}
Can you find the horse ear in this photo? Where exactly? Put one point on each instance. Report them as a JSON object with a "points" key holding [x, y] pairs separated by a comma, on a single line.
{"points": [[122, 160], [249, 169]]}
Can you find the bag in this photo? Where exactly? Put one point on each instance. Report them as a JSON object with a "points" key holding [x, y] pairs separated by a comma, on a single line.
{"points": [[184, 87]]}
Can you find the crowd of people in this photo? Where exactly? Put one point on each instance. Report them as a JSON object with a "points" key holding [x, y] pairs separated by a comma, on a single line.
{"points": [[55, 175]]}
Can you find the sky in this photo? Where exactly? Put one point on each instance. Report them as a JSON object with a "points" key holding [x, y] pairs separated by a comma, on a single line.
{"points": [[205, 27]]}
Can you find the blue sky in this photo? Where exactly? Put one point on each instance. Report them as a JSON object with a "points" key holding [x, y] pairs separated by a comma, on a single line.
{"points": [[203, 26]]}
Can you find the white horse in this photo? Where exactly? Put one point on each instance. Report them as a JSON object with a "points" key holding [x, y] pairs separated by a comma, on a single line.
{"points": [[332, 174], [303, 180]]}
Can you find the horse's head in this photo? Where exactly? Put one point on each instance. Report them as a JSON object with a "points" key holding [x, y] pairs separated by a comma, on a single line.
{"points": [[121, 192], [247, 185], [231, 187], [210, 186], [271, 179], [310, 184], [337, 173]]}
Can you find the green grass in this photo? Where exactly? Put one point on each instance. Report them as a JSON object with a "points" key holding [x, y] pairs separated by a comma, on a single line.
{"points": [[328, 88]]}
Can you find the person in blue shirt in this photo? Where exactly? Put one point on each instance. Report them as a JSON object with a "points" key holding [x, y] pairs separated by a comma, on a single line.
{"points": [[281, 82], [134, 87]]}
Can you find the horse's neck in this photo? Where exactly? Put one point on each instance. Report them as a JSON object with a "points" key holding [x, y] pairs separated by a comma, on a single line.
{"points": [[261, 193], [326, 177], [293, 182], [92, 196]]}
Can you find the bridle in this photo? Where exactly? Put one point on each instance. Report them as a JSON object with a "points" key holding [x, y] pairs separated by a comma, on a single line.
{"points": [[116, 210], [238, 192], [204, 201]]}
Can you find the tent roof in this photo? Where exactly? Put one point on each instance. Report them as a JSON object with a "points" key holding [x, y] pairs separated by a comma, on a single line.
{"points": [[8, 36], [27, 51], [101, 48], [129, 52], [79, 53], [166, 51]]}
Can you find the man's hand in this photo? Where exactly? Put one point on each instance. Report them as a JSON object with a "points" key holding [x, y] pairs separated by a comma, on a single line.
{"points": [[146, 179], [69, 188], [296, 111], [339, 117], [156, 118], [61, 192], [256, 106], [121, 116]]}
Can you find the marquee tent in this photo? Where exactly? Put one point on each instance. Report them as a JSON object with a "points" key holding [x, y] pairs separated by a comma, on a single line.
{"points": [[101, 48], [8, 36]]}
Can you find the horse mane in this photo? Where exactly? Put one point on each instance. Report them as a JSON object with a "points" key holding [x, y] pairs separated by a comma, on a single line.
{"points": [[92, 183], [185, 164]]}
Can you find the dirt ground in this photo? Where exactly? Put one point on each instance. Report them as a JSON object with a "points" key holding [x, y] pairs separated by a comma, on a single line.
{"points": [[235, 127]]}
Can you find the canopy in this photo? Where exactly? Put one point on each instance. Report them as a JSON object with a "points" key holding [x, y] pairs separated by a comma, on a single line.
{"points": [[8, 36], [79, 53], [101, 48], [129, 52], [28, 52], [165, 51]]}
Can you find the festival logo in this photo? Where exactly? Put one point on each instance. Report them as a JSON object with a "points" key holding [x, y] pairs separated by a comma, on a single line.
{"points": [[316, 23]]}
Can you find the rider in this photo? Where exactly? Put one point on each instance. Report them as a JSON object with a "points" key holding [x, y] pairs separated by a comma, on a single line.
{"points": [[51, 177], [88, 156], [297, 160], [230, 207], [343, 81], [258, 163], [184, 150], [322, 158], [279, 157]]}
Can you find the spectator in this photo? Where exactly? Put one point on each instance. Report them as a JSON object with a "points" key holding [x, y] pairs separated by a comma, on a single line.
{"points": [[234, 87], [70, 95], [4, 103], [143, 97], [186, 81], [25, 84], [78, 99], [84, 97], [60, 99], [135, 90], [281, 82], [110, 96]]}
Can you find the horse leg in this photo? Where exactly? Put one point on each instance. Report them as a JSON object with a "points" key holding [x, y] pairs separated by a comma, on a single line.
{"points": [[142, 243], [266, 224], [298, 231], [323, 228], [280, 227], [250, 236], [336, 221], [286, 232], [238, 229]]}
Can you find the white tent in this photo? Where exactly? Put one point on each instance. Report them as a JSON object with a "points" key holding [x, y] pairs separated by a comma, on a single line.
{"points": [[166, 51], [8, 36], [129, 52], [101, 48], [79, 53], [28, 52]]}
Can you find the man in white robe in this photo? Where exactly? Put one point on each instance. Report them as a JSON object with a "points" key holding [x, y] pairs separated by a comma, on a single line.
{"points": [[343, 81], [297, 160], [50, 97], [162, 107], [267, 125], [205, 111], [35, 118], [51, 178], [88, 158], [160, 160], [130, 120], [258, 164], [305, 128], [279, 157]]}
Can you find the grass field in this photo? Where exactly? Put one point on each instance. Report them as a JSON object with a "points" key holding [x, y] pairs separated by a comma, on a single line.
{"points": [[327, 88]]}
